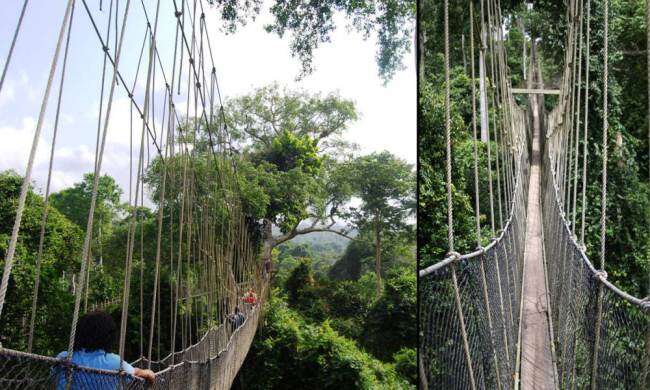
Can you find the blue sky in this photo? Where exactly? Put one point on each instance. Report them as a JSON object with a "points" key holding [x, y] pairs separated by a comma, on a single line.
{"points": [[245, 60]]}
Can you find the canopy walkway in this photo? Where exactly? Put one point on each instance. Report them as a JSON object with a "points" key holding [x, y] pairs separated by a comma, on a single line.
{"points": [[157, 57], [530, 310]]}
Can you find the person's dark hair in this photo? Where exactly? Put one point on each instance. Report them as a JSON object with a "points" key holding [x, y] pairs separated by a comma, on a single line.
{"points": [[95, 330]]}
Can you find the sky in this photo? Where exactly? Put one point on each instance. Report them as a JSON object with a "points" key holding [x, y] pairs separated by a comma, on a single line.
{"points": [[246, 60]]}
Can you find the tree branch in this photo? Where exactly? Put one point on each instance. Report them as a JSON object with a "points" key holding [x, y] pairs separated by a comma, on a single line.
{"points": [[312, 229]]}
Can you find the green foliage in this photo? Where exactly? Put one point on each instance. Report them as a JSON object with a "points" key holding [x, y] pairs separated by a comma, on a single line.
{"points": [[350, 265], [74, 202], [291, 353], [324, 250], [432, 233], [405, 363], [290, 151], [62, 253], [386, 186], [628, 199], [287, 139], [392, 321], [299, 282], [396, 250], [311, 24]]}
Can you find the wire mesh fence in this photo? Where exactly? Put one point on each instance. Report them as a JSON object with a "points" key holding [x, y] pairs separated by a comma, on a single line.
{"points": [[469, 308]]}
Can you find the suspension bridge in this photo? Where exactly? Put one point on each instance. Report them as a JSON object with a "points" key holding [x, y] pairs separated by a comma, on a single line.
{"points": [[157, 60], [530, 310]]}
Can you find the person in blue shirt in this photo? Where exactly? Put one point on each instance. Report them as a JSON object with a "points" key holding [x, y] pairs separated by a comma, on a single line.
{"points": [[94, 338]]}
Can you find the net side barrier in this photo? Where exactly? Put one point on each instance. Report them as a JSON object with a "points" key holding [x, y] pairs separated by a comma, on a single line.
{"points": [[211, 363], [489, 286], [623, 357]]}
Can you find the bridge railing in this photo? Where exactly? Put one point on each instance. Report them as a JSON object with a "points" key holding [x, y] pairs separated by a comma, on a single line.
{"points": [[211, 363], [470, 307], [622, 359]]}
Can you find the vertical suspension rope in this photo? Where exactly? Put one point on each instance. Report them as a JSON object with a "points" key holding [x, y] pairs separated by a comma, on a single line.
{"points": [[603, 199], [93, 199], [13, 43], [487, 121], [450, 212], [46, 199], [586, 127], [11, 249], [477, 207], [577, 125]]}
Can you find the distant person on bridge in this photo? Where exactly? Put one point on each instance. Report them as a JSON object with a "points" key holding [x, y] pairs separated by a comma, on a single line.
{"points": [[267, 268], [250, 297], [95, 336], [236, 319]]}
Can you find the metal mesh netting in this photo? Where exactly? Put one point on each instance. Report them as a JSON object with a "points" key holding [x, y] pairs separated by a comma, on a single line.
{"points": [[623, 354], [491, 324], [211, 363]]}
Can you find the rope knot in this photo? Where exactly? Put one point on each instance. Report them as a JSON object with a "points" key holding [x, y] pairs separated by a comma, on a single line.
{"points": [[645, 303], [198, 84], [454, 254], [105, 48], [481, 248], [601, 275], [178, 14], [191, 60]]}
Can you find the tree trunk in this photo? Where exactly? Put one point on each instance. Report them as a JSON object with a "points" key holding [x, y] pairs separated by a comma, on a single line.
{"points": [[378, 254]]}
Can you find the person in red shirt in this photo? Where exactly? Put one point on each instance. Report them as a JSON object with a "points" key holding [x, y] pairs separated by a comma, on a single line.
{"points": [[250, 297]]}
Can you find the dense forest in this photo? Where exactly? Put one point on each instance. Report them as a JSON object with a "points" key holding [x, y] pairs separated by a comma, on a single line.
{"points": [[341, 310], [628, 199]]}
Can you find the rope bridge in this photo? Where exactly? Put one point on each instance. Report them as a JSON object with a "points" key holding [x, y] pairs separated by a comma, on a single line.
{"points": [[475, 324], [180, 154]]}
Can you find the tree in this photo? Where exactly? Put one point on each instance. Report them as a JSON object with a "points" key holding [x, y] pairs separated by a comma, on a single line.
{"points": [[289, 347], [311, 23], [386, 186], [391, 323], [74, 203], [61, 255], [288, 140]]}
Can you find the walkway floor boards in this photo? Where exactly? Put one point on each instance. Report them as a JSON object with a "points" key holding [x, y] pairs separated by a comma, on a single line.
{"points": [[537, 371]]}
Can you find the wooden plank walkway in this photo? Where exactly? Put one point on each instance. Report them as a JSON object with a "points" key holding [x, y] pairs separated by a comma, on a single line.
{"points": [[537, 372]]}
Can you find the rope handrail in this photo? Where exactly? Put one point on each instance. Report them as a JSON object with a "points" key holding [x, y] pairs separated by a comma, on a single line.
{"points": [[644, 303], [475, 254]]}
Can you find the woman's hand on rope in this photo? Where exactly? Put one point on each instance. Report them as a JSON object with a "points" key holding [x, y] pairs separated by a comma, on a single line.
{"points": [[147, 375]]}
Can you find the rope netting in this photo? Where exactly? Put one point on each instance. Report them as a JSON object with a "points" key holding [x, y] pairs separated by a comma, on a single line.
{"points": [[469, 304], [489, 290], [182, 164], [601, 334]]}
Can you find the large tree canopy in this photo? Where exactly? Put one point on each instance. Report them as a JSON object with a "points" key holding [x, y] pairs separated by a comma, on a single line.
{"points": [[311, 23], [386, 186], [289, 140], [74, 203]]}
